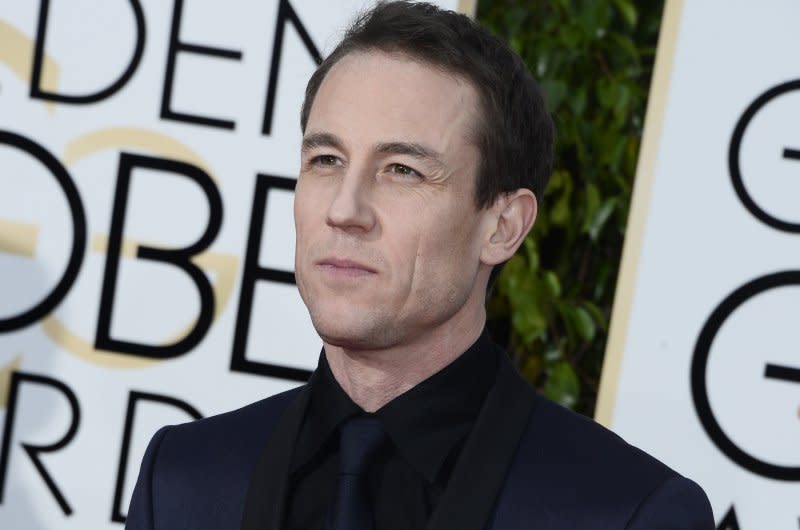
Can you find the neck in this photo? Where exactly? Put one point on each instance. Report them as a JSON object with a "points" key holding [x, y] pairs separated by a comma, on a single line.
{"points": [[373, 378]]}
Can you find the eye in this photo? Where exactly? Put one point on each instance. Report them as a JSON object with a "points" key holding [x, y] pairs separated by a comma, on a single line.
{"points": [[404, 171], [326, 160]]}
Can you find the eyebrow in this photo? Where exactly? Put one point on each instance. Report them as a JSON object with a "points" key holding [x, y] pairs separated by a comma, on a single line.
{"points": [[414, 149], [321, 139]]}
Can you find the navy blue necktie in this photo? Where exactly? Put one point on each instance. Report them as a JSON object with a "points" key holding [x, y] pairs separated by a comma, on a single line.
{"points": [[351, 509]]}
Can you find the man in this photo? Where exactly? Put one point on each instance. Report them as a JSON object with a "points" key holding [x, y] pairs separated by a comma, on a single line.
{"points": [[426, 145]]}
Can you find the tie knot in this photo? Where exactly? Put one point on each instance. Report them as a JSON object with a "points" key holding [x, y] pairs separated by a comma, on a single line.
{"points": [[359, 438]]}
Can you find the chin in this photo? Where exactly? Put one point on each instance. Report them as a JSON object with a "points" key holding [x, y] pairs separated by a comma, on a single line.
{"points": [[354, 334]]}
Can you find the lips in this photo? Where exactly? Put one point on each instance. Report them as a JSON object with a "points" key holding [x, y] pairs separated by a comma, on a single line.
{"points": [[344, 266]]}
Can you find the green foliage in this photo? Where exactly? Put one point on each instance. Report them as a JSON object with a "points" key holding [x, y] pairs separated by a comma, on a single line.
{"points": [[552, 301]]}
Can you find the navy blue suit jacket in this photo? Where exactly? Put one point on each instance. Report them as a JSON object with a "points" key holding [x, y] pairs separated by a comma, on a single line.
{"points": [[528, 464]]}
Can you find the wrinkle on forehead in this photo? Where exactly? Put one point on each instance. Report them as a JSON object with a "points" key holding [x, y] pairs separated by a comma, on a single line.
{"points": [[469, 97]]}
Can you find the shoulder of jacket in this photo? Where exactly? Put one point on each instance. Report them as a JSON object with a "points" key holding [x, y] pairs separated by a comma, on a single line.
{"points": [[234, 429], [583, 440]]}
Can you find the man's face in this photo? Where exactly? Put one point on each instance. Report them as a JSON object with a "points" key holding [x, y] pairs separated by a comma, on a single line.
{"points": [[388, 234]]}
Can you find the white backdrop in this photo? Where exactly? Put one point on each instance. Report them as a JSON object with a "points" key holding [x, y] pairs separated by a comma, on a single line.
{"points": [[703, 364], [128, 126]]}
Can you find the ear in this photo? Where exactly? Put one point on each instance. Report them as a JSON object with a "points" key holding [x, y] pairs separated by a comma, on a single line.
{"points": [[512, 217]]}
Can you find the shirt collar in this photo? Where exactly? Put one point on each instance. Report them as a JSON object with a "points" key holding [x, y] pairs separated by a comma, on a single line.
{"points": [[329, 406], [425, 423]]}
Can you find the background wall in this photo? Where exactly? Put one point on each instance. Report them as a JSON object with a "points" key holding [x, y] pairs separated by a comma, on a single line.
{"points": [[703, 367]]}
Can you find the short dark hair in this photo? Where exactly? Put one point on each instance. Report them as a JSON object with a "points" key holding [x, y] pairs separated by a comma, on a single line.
{"points": [[515, 131]]}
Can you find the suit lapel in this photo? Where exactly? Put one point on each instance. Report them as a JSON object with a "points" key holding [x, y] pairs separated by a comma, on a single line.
{"points": [[478, 477], [266, 496]]}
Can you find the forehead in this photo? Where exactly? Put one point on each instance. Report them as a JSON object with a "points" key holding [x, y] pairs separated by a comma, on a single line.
{"points": [[386, 96]]}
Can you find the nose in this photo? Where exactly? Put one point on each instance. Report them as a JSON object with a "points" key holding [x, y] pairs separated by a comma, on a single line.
{"points": [[351, 209]]}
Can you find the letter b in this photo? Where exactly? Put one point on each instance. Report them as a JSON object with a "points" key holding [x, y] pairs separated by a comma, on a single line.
{"points": [[180, 258]]}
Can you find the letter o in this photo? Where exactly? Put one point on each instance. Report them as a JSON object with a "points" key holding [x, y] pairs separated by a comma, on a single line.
{"points": [[51, 301]]}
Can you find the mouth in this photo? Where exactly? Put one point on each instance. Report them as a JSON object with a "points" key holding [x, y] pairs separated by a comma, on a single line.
{"points": [[344, 267]]}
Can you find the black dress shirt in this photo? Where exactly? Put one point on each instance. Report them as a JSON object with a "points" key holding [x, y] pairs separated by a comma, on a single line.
{"points": [[426, 428]]}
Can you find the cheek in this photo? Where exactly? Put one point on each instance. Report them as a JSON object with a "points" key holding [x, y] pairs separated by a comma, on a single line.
{"points": [[298, 208], [461, 231], [449, 248], [306, 209]]}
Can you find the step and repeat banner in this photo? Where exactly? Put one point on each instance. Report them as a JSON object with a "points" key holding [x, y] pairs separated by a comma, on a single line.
{"points": [[703, 361], [148, 155]]}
